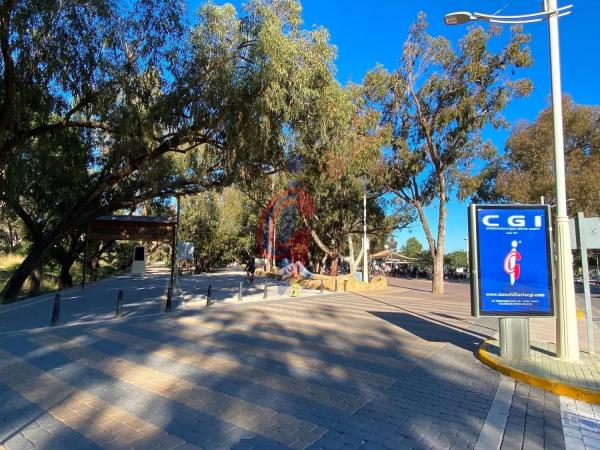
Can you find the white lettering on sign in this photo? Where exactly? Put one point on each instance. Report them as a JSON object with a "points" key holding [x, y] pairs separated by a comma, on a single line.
{"points": [[516, 221], [486, 220], [519, 221]]}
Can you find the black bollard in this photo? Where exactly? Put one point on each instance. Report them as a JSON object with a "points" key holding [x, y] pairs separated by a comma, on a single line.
{"points": [[119, 311], [345, 285], [336, 286], [265, 293], [55, 311], [321, 286], [169, 305], [209, 296], [240, 293]]}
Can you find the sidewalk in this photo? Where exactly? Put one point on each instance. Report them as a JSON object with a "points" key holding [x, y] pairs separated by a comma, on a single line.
{"points": [[225, 286], [378, 370], [142, 296]]}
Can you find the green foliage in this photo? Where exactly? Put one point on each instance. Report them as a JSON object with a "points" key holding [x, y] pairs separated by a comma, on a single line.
{"points": [[221, 225], [456, 259], [412, 248], [525, 171], [125, 105], [435, 104]]}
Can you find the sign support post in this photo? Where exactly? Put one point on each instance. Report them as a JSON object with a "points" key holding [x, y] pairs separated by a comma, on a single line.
{"points": [[582, 243], [514, 337]]}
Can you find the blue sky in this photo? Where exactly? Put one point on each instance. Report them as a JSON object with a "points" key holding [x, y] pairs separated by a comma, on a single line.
{"points": [[370, 32]]}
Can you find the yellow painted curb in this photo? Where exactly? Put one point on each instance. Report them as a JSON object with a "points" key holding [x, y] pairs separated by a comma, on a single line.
{"points": [[550, 385], [580, 314]]}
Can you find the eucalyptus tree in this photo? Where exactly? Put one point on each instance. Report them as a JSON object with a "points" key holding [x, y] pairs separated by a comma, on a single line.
{"points": [[436, 103], [165, 109], [525, 171], [336, 168]]}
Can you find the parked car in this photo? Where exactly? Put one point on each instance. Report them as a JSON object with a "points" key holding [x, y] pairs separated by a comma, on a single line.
{"points": [[578, 280]]}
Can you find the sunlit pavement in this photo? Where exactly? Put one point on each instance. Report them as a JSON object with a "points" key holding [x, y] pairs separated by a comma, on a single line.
{"points": [[391, 369]]}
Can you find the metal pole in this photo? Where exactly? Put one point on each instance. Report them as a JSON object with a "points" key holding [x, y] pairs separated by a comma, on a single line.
{"points": [[365, 240], [581, 239], [240, 292], [172, 280], [119, 310], [266, 290], [567, 345], [85, 248], [55, 311], [169, 304], [177, 239]]}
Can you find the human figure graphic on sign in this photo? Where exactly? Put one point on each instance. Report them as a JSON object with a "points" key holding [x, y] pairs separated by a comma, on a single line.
{"points": [[511, 267]]}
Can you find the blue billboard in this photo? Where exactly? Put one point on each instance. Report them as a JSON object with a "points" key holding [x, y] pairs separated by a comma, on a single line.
{"points": [[511, 260]]}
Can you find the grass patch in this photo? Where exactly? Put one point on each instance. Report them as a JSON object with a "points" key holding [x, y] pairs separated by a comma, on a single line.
{"points": [[50, 275]]}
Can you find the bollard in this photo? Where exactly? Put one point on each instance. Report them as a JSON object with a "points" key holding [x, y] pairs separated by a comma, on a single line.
{"points": [[336, 285], [209, 296], [345, 285], [119, 310], [169, 305], [55, 311], [321, 286], [265, 293], [240, 293]]}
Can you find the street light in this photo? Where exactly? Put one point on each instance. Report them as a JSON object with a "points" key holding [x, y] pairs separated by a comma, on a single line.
{"points": [[566, 320], [365, 239], [387, 250]]}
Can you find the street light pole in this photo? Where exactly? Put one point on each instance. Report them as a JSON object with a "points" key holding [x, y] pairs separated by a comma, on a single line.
{"points": [[365, 239], [567, 344]]}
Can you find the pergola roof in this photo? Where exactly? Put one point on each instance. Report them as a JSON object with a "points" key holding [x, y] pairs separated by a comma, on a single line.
{"points": [[390, 255], [131, 228]]}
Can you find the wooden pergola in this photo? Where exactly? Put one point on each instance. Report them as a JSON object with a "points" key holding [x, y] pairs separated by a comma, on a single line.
{"points": [[132, 228]]}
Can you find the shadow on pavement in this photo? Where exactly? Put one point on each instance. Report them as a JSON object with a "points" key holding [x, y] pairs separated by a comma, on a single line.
{"points": [[336, 371]]}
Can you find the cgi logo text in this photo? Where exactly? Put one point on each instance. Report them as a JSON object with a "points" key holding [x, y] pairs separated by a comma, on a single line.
{"points": [[492, 220]]}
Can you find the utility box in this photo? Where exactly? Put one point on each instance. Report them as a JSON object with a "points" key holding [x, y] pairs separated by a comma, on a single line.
{"points": [[138, 267]]}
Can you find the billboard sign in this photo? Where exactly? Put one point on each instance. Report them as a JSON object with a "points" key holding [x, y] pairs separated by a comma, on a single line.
{"points": [[511, 260], [185, 250]]}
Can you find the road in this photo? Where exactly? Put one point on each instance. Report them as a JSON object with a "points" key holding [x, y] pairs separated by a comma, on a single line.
{"points": [[389, 369]]}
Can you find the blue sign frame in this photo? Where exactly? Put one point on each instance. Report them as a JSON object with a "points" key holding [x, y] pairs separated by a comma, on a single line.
{"points": [[511, 260]]}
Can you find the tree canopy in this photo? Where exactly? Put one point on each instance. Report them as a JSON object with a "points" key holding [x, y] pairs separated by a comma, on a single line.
{"points": [[435, 104], [151, 106], [525, 171]]}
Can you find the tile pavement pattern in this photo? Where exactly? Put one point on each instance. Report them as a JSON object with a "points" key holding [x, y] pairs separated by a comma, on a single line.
{"points": [[393, 370], [585, 373], [581, 424]]}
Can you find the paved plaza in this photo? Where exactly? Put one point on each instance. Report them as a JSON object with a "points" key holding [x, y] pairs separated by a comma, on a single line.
{"points": [[389, 369]]}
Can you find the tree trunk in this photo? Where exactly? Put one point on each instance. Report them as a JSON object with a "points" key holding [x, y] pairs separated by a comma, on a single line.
{"points": [[437, 285], [10, 236], [65, 280], [13, 286], [35, 280], [436, 251], [354, 262]]}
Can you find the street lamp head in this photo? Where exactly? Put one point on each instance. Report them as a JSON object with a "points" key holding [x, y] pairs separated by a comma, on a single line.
{"points": [[458, 18]]}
